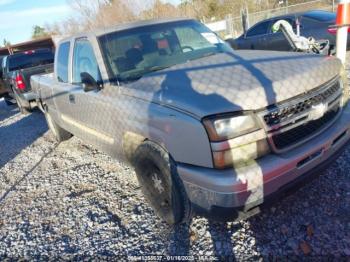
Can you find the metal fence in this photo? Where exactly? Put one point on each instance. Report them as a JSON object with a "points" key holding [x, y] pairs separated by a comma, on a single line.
{"points": [[234, 24]]}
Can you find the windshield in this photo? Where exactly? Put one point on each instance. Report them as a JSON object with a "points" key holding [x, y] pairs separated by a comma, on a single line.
{"points": [[133, 53], [30, 59]]}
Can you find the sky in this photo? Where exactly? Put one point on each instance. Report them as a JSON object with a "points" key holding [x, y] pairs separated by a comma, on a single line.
{"points": [[17, 17]]}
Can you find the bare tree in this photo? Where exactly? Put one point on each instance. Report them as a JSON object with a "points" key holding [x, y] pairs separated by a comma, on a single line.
{"points": [[115, 12], [160, 10], [91, 14]]}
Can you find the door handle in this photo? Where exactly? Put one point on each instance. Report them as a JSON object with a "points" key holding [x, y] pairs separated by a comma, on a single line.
{"points": [[71, 99]]}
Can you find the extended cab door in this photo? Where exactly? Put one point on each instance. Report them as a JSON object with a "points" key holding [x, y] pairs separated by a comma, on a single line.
{"points": [[86, 112], [57, 98]]}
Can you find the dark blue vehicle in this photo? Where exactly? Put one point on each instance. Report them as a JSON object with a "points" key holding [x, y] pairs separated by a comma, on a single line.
{"points": [[314, 24]]}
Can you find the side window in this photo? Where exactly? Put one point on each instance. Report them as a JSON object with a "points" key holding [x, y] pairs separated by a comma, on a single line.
{"points": [[260, 29], [62, 62], [289, 20], [84, 61]]}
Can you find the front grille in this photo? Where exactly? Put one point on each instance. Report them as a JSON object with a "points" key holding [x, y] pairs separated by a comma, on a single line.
{"points": [[304, 131], [291, 123], [284, 113]]}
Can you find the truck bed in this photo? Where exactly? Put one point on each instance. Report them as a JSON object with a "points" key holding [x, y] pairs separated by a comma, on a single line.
{"points": [[41, 84], [29, 72], [26, 74]]}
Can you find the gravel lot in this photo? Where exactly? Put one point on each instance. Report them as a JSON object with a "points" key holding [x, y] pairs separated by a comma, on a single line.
{"points": [[70, 200]]}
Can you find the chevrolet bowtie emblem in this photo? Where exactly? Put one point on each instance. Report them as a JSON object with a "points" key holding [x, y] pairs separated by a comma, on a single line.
{"points": [[318, 111]]}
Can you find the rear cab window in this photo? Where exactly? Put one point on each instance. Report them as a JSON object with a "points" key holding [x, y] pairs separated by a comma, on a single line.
{"points": [[30, 59], [62, 62]]}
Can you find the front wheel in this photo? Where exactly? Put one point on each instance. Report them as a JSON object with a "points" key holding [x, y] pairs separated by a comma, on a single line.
{"points": [[160, 183], [59, 133]]}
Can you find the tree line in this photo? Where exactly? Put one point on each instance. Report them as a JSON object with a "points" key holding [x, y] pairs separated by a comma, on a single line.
{"points": [[92, 14]]}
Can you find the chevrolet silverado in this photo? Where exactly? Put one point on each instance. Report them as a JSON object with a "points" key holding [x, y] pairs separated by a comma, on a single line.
{"points": [[209, 130]]}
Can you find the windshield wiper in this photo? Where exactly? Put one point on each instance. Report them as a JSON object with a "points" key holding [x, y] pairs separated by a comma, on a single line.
{"points": [[138, 75], [130, 78], [156, 68]]}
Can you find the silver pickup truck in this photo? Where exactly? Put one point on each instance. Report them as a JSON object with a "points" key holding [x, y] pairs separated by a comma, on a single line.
{"points": [[209, 130]]}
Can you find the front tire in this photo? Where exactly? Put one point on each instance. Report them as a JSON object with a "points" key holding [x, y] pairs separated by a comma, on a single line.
{"points": [[160, 183], [59, 133]]}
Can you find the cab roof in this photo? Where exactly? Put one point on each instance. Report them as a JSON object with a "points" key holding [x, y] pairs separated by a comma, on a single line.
{"points": [[125, 26]]}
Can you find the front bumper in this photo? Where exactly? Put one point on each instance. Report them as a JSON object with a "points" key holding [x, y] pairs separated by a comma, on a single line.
{"points": [[243, 189]]}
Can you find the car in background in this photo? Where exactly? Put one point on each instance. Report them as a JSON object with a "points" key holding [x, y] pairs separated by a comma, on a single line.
{"points": [[17, 70], [315, 23]]}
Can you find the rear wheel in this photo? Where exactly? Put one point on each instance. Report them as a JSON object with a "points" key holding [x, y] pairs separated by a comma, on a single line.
{"points": [[59, 133], [160, 183]]}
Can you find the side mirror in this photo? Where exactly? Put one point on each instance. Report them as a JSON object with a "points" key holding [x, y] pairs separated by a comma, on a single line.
{"points": [[89, 83]]}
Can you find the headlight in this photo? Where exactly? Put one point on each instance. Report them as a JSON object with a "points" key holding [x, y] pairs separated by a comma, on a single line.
{"points": [[236, 140], [242, 155], [230, 127]]}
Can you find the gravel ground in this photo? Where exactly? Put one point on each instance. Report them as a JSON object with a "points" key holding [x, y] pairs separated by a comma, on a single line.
{"points": [[70, 200]]}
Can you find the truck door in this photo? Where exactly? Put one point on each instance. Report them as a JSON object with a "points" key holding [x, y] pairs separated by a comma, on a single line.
{"points": [[86, 111], [57, 98]]}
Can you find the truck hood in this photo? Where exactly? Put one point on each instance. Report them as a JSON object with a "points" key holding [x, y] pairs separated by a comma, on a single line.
{"points": [[228, 82]]}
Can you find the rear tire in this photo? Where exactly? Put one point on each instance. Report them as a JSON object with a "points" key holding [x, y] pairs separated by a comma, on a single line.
{"points": [[59, 133], [160, 183]]}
